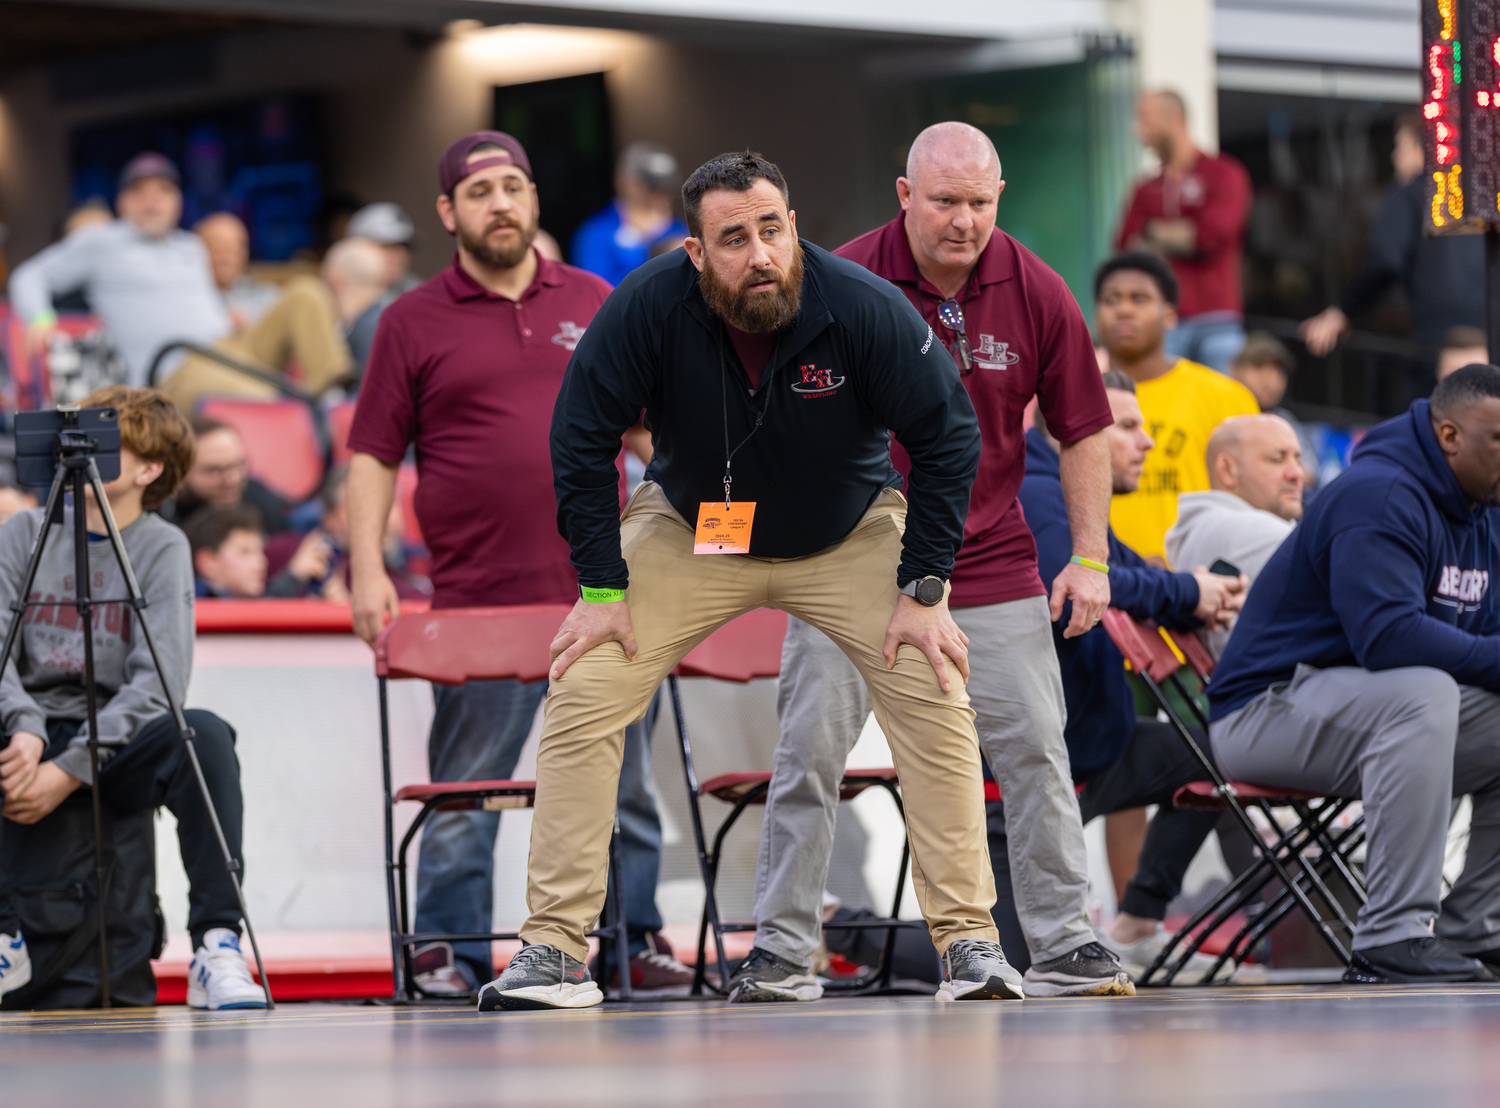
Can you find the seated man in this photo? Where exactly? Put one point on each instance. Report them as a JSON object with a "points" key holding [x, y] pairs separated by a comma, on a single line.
{"points": [[1255, 470], [229, 557], [143, 762], [227, 241], [1122, 761], [220, 478], [1264, 366], [151, 284], [1366, 664]]}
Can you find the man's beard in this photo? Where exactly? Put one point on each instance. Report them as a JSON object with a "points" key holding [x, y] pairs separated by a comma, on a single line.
{"points": [[755, 313], [479, 248]]}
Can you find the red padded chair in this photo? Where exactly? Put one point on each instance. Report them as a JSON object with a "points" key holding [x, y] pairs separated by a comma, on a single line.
{"points": [[452, 646], [282, 443], [340, 422], [742, 650], [1299, 858]]}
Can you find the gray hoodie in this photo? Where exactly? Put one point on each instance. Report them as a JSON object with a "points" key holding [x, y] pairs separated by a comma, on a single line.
{"points": [[1215, 525], [44, 679]]}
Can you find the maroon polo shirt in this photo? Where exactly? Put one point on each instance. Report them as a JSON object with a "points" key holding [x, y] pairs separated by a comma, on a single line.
{"points": [[1215, 194], [471, 379], [1029, 339]]}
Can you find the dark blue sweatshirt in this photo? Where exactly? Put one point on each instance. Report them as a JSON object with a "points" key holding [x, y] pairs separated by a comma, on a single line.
{"points": [[1390, 568], [1101, 712]]}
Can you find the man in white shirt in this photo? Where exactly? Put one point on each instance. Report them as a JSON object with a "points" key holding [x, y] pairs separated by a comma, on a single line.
{"points": [[1256, 478]]}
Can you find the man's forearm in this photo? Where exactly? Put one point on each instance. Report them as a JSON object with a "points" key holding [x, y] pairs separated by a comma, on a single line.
{"points": [[368, 495], [1086, 489]]}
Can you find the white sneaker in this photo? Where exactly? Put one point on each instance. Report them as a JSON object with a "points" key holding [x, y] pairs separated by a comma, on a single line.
{"points": [[15, 963], [219, 977], [1136, 958]]}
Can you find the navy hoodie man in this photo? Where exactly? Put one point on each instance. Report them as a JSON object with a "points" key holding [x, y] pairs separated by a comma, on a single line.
{"points": [[1366, 664], [1122, 762]]}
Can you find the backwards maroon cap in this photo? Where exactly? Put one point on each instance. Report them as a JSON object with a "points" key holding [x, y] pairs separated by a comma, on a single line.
{"points": [[456, 165]]}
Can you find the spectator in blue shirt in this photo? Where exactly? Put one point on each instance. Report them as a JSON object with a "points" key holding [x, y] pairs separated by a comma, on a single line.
{"points": [[639, 223]]}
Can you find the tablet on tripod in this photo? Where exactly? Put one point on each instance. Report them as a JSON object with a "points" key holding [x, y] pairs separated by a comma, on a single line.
{"points": [[42, 438]]}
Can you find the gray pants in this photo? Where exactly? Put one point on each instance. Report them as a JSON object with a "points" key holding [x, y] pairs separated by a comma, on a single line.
{"points": [[1406, 742], [1016, 692]]}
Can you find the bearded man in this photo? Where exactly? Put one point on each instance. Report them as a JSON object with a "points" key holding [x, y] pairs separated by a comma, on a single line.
{"points": [[467, 368], [769, 371]]}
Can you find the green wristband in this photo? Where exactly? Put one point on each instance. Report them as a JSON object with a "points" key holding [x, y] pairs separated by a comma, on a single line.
{"points": [[601, 596], [47, 318], [1089, 563]]}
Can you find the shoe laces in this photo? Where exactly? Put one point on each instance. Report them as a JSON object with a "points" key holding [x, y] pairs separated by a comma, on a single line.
{"points": [[656, 958], [537, 954], [985, 948], [755, 960]]}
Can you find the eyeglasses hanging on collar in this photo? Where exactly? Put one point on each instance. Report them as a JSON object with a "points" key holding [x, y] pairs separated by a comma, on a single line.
{"points": [[951, 315]]}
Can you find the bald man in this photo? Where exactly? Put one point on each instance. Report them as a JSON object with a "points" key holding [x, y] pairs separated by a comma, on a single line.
{"points": [[227, 240], [1256, 477], [1193, 214], [1014, 332]]}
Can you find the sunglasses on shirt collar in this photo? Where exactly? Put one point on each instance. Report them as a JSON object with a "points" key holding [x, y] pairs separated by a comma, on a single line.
{"points": [[951, 316]]}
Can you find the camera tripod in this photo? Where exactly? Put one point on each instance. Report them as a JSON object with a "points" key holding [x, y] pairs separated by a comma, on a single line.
{"points": [[77, 472]]}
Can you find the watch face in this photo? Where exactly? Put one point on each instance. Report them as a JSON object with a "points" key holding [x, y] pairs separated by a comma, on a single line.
{"points": [[930, 591]]}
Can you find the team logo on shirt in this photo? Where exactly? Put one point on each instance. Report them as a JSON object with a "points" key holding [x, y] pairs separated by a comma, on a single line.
{"points": [[1462, 588], [994, 355], [816, 382], [568, 334]]}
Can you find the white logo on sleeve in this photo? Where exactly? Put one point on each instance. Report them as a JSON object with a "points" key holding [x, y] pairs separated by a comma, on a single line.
{"points": [[1462, 588], [926, 346], [568, 334]]}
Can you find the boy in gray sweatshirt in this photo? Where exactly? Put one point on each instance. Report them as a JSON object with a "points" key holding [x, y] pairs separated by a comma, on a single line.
{"points": [[44, 755]]}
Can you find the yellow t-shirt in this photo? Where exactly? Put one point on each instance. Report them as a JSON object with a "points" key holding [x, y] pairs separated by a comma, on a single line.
{"points": [[1181, 407]]}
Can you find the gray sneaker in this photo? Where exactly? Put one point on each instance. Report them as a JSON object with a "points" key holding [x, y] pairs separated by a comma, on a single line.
{"points": [[1091, 970], [541, 976], [976, 969], [763, 977]]}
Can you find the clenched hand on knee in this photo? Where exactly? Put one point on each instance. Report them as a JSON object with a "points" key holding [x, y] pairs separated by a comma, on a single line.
{"points": [[933, 632], [589, 625]]}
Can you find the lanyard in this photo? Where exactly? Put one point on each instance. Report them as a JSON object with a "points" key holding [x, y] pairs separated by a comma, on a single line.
{"points": [[724, 396]]}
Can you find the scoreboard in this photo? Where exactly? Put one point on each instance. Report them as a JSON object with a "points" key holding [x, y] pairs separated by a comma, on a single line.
{"points": [[1461, 114]]}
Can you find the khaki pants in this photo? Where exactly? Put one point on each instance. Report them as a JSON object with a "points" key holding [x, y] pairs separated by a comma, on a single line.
{"points": [[303, 326], [677, 599]]}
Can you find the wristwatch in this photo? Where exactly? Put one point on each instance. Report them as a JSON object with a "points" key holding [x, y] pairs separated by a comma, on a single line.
{"points": [[927, 591]]}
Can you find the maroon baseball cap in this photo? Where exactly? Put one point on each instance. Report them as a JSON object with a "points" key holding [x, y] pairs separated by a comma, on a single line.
{"points": [[456, 165], [149, 164]]}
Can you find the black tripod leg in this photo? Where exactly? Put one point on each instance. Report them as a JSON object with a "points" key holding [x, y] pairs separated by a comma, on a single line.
{"points": [[85, 606], [138, 603]]}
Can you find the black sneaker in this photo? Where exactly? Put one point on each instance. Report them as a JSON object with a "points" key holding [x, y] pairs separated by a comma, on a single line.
{"points": [[541, 976], [1091, 970], [764, 977], [1422, 961], [976, 969]]}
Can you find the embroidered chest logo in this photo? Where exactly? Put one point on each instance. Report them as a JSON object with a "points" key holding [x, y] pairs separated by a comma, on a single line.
{"points": [[816, 382], [994, 355], [568, 334]]}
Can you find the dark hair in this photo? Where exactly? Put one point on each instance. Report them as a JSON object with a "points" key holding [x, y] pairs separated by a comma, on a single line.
{"points": [[1139, 261], [210, 528], [1462, 387], [332, 489], [1114, 379], [206, 425], [1264, 348], [1409, 121], [1463, 338], [153, 430], [736, 172]]}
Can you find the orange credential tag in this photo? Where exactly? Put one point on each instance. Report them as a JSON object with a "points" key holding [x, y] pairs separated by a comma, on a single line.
{"points": [[724, 530]]}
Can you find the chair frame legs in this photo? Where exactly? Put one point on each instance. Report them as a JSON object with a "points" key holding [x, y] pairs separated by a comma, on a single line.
{"points": [[1312, 829], [876, 981], [612, 926]]}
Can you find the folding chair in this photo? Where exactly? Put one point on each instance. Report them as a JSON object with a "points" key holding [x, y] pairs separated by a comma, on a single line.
{"points": [[1301, 857], [450, 647], [747, 648]]}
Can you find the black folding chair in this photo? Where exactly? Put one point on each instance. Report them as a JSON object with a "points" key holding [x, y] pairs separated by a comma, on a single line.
{"points": [[1302, 858], [743, 650], [451, 647]]}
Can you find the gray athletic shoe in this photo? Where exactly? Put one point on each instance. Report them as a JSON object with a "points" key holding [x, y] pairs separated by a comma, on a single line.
{"points": [[541, 976], [764, 977], [976, 969], [1091, 970]]}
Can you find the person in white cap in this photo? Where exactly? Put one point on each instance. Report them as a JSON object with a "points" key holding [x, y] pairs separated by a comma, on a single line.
{"points": [[388, 226]]}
